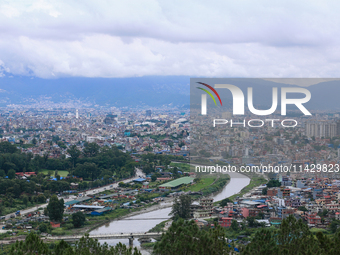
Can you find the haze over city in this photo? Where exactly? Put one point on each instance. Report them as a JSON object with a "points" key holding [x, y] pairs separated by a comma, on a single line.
{"points": [[169, 127]]}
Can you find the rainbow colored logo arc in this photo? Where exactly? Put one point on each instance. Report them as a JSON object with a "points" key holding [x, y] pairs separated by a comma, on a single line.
{"points": [[209, 93]]}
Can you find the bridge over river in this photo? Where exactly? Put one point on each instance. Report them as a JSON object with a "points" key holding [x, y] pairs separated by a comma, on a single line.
{"points": [[130, 236]]}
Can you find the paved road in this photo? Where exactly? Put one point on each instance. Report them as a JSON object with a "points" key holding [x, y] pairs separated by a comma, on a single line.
{"points": [[89, 192], [115, 185], [35, 208]]}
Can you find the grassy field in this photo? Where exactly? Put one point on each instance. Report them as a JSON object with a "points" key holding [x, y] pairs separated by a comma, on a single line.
{"points": [[204, 182], [316, 230], [62, 173], [181, 166]]}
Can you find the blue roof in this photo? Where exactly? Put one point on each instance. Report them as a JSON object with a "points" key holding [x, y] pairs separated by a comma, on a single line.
{"points": [[139, 180], [260, 200]]}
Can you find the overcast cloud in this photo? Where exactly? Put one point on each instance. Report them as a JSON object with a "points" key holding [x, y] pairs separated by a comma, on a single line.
{"points": [[196, 38]]}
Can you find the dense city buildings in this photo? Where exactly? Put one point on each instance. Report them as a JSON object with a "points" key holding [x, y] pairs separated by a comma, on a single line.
{"points": [[323, 128]]}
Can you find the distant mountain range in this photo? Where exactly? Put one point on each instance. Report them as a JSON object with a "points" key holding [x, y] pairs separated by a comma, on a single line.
{"points": [[119, 92], [153, 91]]}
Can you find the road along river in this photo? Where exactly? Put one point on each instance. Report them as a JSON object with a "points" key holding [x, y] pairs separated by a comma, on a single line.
{"points": [[143, 222]]}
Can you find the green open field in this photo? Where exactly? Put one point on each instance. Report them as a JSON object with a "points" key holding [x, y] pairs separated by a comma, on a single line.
{"points": [[62, 173], [181, 166], [204, 182]]}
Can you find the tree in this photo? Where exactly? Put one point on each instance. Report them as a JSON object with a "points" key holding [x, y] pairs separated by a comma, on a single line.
{"points": [[234, 225], [2, 173], [251, 222], [302, 208], [273, 183], [55, 208], [91, 149], [184, 237], [175, 172], [264, 191], [43, 227], [61, 145], [25, 200], [78, 219], [225, 202], [87, 171], [260, 215], [11, 174], [7, 147], [334, 225], [323, 213], [122, 185], [293, 237], [153, 178], [49, 173], [89, 246], [181, 207], [33, 245], [74, 153]]}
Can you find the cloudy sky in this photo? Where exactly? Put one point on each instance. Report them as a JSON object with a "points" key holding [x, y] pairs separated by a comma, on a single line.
{"points": [[107, 38]]}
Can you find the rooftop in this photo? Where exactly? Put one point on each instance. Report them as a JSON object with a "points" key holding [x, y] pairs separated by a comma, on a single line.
{"points": [[177, 182]]}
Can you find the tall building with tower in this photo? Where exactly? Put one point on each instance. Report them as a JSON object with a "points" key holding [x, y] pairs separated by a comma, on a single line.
{"points": [[77, 114]]}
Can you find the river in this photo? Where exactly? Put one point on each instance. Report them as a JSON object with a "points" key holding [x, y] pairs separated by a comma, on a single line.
{"points": [[145, 221]]}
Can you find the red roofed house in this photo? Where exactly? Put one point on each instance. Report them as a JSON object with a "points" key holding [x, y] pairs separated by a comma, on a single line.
{"points": [[55, 224], [337, 215], [313, 218], [225, 222], [25, 175]]}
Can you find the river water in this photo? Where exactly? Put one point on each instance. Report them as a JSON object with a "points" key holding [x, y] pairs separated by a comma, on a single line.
{"points": [[145, 221]]}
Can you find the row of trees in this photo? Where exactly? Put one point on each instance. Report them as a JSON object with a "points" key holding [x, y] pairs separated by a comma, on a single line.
{"points": [[293, 237], [150, 161], [184, 237], [97, 165], [85, 246], [101, 162], [94, 162]]}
